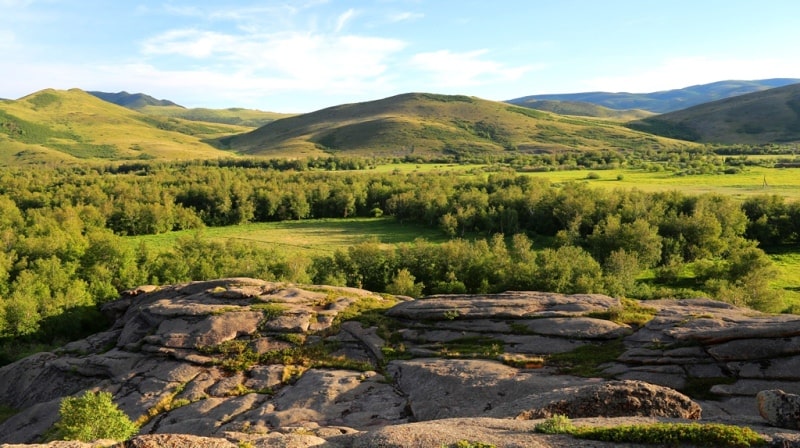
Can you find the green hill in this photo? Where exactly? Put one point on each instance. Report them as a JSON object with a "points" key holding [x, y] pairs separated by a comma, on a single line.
{"points": [[667, 100], [429, 125], [63, 126], [770, 116], [585, 109], [148, 105], [131, 100]]}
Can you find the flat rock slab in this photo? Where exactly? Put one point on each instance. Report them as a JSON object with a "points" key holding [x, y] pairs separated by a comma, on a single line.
{"points": [[514, 304], [446, 388]]}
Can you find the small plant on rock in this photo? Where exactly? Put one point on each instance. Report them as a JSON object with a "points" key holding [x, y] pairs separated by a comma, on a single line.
{"points": [[93, 416]]}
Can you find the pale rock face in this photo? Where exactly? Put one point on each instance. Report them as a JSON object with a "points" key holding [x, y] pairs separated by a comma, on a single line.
{"points": [[779, 408], [189, 361]]}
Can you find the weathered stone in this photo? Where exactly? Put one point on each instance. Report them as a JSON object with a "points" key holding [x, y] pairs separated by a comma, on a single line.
{"points": [[779, 368], [755, 348], [750, 387], [664, 375], [446, 388], [177, 441], [513, 304], [779, 408], [610, 399], [576, 327]]}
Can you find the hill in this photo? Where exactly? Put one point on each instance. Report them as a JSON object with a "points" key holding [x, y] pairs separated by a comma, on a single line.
{"points": [[585, 109], [432, 125], [770, 116], [131, 100], [64, 126], [148, 105], [667, 100]]}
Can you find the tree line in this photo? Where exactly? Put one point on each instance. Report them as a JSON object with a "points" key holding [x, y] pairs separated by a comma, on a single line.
{"points": [[61, 233]]}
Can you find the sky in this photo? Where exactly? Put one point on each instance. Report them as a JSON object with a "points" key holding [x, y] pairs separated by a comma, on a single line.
{"points": [[305, 55]]}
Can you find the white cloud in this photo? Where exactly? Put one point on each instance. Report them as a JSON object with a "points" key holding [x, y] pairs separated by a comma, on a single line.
{"points": [[678, 73], [466, 69], [403, 16], [189, 43], [343, 18]]}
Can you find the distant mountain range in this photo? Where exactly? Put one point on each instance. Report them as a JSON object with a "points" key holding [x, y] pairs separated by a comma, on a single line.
{"points": [[667, 100], [56, 126], [769, 116], [132, 100], [165, 108]]}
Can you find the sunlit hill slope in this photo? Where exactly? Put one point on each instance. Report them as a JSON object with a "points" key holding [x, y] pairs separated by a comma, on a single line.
{"points": [[62, 126], [429, 124]]}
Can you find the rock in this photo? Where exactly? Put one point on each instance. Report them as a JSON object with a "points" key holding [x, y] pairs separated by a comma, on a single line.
{"points": [[447, 388], [779, 408], [513, 304], [177, 441], [608, 399]]}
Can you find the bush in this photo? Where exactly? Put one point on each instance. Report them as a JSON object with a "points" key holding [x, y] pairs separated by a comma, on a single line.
{"points": [[93, 416]]}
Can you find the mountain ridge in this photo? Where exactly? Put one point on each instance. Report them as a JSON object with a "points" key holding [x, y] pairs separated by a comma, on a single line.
{"points": [[429, 124], [666, 100], [768, 116]]}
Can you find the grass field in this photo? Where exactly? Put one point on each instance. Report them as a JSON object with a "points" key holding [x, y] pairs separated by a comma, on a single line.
{"points": [[751, 182], [307, 237]]}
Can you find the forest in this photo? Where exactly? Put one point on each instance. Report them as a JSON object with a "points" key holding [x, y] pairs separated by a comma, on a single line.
{"points": [[63, 228]]}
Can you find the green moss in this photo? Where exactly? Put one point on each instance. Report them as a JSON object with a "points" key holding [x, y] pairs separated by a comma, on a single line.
{"points": [[669, 434], [6, 413], [585, 360], [631, 312]]}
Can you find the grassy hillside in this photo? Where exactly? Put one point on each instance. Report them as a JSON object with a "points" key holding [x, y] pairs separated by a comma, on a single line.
{"points": [[61, 126], [770, 116], [430, 124], [584, 109], [148, 105], [667, 100], [251, 118]]}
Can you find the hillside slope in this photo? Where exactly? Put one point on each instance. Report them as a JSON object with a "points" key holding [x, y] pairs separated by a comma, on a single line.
{"points": [[62, 126], [148, 105], [667, 100], [432, 125], [585, 109], [770, 116]]}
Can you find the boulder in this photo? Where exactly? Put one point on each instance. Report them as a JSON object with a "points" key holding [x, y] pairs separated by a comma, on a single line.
{"points": [[607, 399], [779, 408]]}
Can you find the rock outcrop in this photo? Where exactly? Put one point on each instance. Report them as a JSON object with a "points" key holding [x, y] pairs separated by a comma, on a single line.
{"points": [[270, 364], [779, 408]]}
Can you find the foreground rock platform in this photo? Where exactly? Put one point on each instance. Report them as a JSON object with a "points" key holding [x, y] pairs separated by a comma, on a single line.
{"points": [[224, 362]]}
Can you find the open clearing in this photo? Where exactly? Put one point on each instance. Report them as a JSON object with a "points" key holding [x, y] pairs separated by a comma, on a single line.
{"points": [[307, 237]]}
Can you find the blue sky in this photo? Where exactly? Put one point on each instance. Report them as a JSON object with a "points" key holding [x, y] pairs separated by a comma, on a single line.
{"points": [[304, 55]]}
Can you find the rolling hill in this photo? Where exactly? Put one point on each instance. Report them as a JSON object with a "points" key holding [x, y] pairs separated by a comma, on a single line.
{"points": [[667, 100], [148, 105], [584, 109], [131, 100], [429, 125], [770, 116], [63, 126]]}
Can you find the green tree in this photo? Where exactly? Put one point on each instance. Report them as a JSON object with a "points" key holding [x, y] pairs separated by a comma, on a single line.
{"points": [[93, 416], [403, 284]]}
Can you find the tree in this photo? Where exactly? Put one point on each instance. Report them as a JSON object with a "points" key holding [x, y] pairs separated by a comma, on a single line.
{"points": [[403, 284], [93, 416]]}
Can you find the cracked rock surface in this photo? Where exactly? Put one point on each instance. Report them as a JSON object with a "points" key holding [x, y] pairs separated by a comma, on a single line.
{"points": [[237, 360]]}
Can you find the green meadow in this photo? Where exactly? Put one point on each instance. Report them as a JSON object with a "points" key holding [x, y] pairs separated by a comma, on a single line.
{"points": [[750, 182], [304, 238]]}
